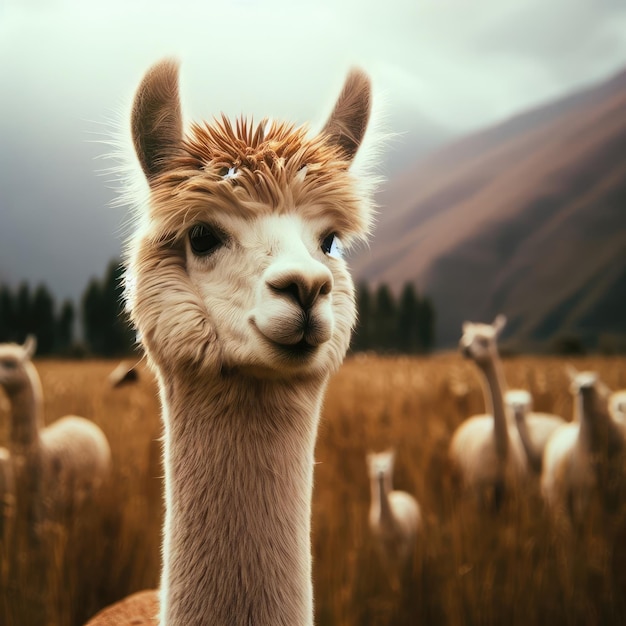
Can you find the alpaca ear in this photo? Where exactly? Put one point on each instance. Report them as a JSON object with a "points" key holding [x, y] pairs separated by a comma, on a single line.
{"points": [[156, 121], [30, 346], [499, 323], [346, 125]]}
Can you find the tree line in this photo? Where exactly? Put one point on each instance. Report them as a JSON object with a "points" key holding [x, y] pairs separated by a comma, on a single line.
{"points": [[403, 324], [105, 327]]}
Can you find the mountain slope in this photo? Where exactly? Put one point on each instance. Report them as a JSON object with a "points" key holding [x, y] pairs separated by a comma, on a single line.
{"points": [[526, 218]]}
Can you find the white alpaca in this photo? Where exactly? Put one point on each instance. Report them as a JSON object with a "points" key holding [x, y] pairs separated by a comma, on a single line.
{"points": [[245, 308], [56, 468], [395, 517], [584, 461], [535, 429], [486, 449], [617, 406]]}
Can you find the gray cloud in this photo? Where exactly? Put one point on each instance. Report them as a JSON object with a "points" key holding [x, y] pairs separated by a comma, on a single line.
{"points": [[443, 67]]}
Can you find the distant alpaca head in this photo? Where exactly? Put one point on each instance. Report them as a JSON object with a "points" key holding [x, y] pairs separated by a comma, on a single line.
{"points": [[381, 463], [15, 365], [617, 404], [237, 262], [479, 341], [593, 393], [519, 402]]}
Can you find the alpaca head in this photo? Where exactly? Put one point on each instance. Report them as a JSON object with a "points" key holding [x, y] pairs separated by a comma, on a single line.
{"points": [[237, 263], [479, 341], [593, 393], [381, 463], [617, 403], [519, 402], [15, 365]]}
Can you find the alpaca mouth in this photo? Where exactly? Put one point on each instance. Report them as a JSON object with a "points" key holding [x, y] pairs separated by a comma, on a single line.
{"points": [[299, 350], [295, 351]]}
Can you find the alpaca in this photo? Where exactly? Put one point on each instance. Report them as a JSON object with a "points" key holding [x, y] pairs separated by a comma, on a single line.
{"points": [[535, 429], [123, 374], [57, 467], [395, 517], [69, 459], [584, 461], [617, 406], [7, 499], [245, 307], [58, 471], [485, 449]]}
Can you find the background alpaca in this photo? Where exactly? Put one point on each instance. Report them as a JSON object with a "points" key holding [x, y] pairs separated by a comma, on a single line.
{"points": [[535, 429], [245, 307], [486, 449], [58, 471], [584, 461], [125, 373], [395, 517], [7, 503], [617, 406], [63, 464]]}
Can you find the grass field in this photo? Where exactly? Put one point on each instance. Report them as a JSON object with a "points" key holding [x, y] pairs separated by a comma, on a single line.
{"points": [[471, 568]]}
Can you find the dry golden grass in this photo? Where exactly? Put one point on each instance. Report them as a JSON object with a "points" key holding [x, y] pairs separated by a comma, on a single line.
{"points": [[471, 568]]}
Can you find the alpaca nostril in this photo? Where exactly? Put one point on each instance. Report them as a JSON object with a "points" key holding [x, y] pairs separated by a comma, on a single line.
{"points": [[303, 290]]}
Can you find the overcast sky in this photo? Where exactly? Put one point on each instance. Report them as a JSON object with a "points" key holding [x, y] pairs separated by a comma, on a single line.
{"points": [[69, 67]]}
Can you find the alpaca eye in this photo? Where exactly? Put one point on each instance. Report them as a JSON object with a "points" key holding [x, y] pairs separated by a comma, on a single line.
{"points": [[332, 246], [203, 240]]}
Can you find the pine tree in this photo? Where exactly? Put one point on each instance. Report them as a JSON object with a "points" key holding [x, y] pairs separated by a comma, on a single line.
{"points": [[385, 321], [93, 320], [362, 337], [7, 315], [107, 330], [23, 313], [42, 323], [65, 327], [408, 338], [426, 320]]}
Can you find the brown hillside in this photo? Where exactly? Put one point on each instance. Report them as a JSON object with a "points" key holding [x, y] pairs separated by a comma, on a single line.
{"points": [[526, 218]]}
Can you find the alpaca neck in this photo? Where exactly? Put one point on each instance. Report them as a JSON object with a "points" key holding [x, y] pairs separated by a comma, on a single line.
{"points": [[380, 498], [238, 469], [494, 388], [598, 432], [532, 453], [26, 412]]}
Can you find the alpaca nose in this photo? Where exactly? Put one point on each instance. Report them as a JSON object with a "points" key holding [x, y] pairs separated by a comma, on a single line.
{"points": [[302, 285]]}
